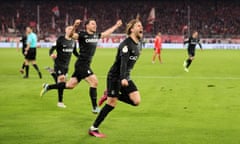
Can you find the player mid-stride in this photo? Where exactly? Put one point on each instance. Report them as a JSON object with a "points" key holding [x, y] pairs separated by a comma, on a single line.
{"points": [[119, 84], [87, 44], [192, 42], [64, 47]]}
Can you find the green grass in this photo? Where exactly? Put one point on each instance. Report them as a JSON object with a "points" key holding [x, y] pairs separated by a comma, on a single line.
{"points": [[199, 107]]}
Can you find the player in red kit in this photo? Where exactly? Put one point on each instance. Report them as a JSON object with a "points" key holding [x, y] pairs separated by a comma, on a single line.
{"points": [[157, 48]]}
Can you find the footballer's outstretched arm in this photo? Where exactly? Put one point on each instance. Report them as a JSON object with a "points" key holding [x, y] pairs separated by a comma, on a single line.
{"points": [[109, 31], [73, 33]]}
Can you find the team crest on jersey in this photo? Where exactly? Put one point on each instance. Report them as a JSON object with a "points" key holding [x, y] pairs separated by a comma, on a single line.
{"points": [[125, 49]]}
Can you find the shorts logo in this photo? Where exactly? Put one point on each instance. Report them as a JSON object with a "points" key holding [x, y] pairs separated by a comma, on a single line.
{"points": [[59, 72], [67, 50], [112, 92], [125, 49], [88, 71], [91, 40]]}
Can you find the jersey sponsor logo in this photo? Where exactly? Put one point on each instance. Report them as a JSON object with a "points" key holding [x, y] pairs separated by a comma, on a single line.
{"points": [[91, 40], [194, 42], [125, 49], [67, 50], [133, 58]]}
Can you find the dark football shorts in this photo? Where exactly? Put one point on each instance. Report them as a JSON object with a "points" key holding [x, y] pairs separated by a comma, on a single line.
{"points": [[23, 51], [60, 70], [82, 72], [31, 54], [191, 52], [114, 88]]}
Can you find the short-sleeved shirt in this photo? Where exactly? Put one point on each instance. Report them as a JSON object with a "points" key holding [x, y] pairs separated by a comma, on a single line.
{"points": [[24, 42], [32, 40], [158, 43]]}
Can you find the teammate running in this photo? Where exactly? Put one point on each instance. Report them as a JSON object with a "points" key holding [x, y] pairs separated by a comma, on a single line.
{"points": [[23, 40], [87, 43], [157, 48], [192, 42], [64, 46], [119, 84]]}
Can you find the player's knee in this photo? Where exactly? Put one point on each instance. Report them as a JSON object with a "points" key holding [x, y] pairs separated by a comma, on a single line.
{"points": [[70, 85], [136, 99], [94, 83], [112, 102], [136, 102], [61, 79]]}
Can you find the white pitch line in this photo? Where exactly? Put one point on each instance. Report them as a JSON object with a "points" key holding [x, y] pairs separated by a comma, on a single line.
{"points": [[178, 77]]}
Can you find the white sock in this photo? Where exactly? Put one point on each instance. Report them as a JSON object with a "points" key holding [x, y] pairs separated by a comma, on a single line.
{"points": [[93, 128]]}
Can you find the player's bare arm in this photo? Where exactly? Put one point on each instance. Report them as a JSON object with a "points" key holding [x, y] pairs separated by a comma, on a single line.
{"points": [[76, 24], [109, 31]]}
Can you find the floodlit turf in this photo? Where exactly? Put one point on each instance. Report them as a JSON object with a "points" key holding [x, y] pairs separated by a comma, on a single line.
{"points": [[199, 107]]}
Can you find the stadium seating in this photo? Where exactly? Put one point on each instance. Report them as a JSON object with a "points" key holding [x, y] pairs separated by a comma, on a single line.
{"points": [[210, 17]]}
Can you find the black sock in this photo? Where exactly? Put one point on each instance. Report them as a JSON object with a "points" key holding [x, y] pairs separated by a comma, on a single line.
{"points": [[60, 95], [61, 85], [126, 99], [189, 61], [23, 65], [27, 70], [93, 96], [54, 75], [36, 67], [102, 115]]}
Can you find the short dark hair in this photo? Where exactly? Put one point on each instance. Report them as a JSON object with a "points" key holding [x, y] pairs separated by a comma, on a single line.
{"points": [[88, 21]]}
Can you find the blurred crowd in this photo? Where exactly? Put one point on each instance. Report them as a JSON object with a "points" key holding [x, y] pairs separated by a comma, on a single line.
{"points": [[209, 17]]}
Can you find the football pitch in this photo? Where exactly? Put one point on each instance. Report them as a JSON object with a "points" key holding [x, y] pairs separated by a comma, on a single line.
{"points": [[199, 107]]}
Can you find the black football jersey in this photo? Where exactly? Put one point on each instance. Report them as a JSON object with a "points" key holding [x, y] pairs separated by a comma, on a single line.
{"points": [[87, 47], [24, 42], [192, 42], [64, 48], [127, 55]]}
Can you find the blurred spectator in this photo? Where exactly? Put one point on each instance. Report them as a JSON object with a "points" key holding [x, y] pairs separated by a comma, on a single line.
{"points": [[209, 17]]}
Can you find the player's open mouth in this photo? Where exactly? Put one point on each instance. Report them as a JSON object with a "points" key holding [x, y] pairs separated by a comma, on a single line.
{"points": [[140, 32]]}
